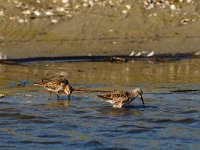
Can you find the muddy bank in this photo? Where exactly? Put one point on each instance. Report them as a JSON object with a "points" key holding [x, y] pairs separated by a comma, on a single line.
{"points": [[89, 28]]}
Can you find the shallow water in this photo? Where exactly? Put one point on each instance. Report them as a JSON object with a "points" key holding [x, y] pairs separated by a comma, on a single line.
{"points": [[169, 121]]}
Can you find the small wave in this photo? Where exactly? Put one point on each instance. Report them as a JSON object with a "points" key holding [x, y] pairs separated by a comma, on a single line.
{"points": [[190, 112], [50, 142], [27, 117], [42, 121], [93, 143], [138, 131], [184, 121]]}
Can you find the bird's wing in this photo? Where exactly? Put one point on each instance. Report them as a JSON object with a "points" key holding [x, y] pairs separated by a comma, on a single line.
{"points": [[120, 94], [110, 96], [106, 96], [116, 95], [63, 81], [123, 99], [120, 101], [51, 84]]}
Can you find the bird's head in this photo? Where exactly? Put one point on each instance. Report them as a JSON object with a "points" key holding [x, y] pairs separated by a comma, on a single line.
{"points": [[138, 92], [68, 89]]}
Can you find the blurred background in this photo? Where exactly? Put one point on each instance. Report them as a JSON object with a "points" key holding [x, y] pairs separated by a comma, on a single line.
{"points": [[36, 28]]}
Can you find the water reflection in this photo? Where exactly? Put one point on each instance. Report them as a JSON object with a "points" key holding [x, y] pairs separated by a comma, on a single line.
{"points": [[121, 112], [59, 103], [132, 73]]}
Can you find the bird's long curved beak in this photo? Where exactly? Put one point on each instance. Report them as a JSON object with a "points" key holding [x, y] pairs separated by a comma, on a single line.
{"points": [[142, 99]]}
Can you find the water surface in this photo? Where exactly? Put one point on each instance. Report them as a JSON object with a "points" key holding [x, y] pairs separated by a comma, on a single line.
{"points": [[169, 121]]}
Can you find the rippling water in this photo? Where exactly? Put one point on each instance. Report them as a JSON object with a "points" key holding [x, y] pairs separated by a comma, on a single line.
{"points": [[169, 121]]}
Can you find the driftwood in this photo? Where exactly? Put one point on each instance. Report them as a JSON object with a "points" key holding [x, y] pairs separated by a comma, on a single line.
{"points": [[83, 90], [101, 58], [185, 90]]}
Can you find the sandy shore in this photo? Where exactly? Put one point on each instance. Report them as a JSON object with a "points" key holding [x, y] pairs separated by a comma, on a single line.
{"points": [[97, 27]]}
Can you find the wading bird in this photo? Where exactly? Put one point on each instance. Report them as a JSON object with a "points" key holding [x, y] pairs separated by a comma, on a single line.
{"points": [[120, 98], [57, 86]]}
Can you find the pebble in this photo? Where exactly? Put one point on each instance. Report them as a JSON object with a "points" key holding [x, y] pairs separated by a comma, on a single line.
{"points": [[37, 13], [91, 3], [38, 1], [60, 9], [49, 13], [153, 15], [26, 12], [138, 54], [186, 21], [150, 54], [128, 7], [65, 1], [173, 7], [111, 30], [125, 12], [85, 5], [188, 1], [197, 54], [54, 21], [2, 13], [114, 42], [132, 53], [20, 20], [2, 56], [1, 37]]}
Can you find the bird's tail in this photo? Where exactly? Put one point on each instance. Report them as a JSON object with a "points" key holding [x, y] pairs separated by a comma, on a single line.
{"points": [[105, 97], [101, 96], [37, 84]]}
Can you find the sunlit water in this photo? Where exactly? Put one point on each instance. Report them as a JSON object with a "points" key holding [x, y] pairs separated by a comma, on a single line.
{"points": [[28, 120]]}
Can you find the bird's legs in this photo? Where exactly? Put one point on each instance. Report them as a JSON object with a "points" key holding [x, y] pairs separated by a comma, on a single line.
{"points": [[49, 95], [58, 96], [68, 97], [142, 100]]}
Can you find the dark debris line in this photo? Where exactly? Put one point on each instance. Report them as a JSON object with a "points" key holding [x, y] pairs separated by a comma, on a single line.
{"points": [[111, 58]]}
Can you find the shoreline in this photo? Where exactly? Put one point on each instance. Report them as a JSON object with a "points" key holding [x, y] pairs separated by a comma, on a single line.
{"points": [[111, 58]]}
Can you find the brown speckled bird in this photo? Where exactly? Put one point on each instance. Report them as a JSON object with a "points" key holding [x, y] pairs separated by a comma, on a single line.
{"points": [[57, 85], [120, 98]]}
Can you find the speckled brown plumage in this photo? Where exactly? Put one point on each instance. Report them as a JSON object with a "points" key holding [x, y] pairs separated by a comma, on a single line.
{"points": [[57, 85], [120, 98]]}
